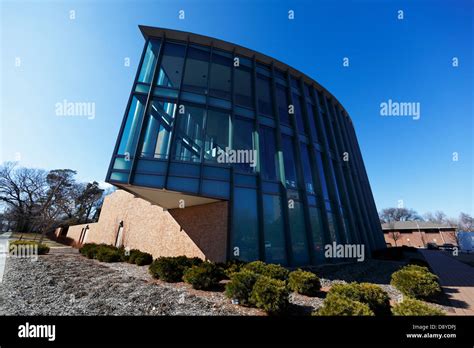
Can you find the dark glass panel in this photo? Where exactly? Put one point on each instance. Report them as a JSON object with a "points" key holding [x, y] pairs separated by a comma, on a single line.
{"points": [[220, 83], [217, 135], [171, 68], [282, 101], [289, 161], [196, 70], [298, 114], [130, 131], [244, 140], [299, 242], [268, 154], [244, 239], [149, 61], [308, 176], [243, 89], [317, 231], [312, 124], [156, 142], [264, 95], [322, 176], [274, 232], [189, 137]]}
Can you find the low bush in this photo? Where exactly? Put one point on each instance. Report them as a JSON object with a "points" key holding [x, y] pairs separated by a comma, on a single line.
{"points": [[304, 283], [231, 266], [270, 295], [43, 249], [337, 305], [171, 269], [141, 258], [240, 286], [411, 306], [88, 250], [106, 253], [270, 270], [416, 281], [370, 294], [204, 276]]}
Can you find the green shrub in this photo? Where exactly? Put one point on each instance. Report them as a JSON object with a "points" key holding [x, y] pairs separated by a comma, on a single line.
{"points": [[88, 250], [305, 283], [204, 276], [241, 285], [232, 266], [270, 295], [370, 294], [416, 281], [107, 254], [411, 306], [337, 305], [43, 249], [142, 258], [269, 270], [171, 269], [132, 254]]}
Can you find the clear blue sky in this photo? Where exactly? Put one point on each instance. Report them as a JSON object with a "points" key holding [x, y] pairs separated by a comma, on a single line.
{"points": [[403, 60]]}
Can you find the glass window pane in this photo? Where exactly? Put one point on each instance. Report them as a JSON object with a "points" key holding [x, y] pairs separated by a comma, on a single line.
{"points": [[282, 102], [243, 140], [171, 68], [322, 176], [308, 176], [156, 141], [289, 161], [243, 86], [299, 114], [219, 84], [299, 242], [130, 131], [244, 237], [149, 61], [217, 135], [196, 71], [317, 231], [189, 136], [268, 154], [274, 232], [312, 124], [264, 95]]}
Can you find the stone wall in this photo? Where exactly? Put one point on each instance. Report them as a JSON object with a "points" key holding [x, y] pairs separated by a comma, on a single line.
{"points": [[192, 231]]}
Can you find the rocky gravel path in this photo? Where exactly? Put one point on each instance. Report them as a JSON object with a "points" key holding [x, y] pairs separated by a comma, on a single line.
{"points": [[69, 284]]}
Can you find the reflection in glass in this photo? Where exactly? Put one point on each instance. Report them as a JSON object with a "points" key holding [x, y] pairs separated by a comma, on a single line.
{"points": [[220, 85], [196, 71], [268, 155], [299, 243], [156, 141], [217, 134], [289, 161], [244, 239], [130, 132], [275, 251], [171, 68], [149, 61], [189, 134]]}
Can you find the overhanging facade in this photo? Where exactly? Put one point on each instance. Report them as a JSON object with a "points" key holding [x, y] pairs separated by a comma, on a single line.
{"points": [[197, 101]]}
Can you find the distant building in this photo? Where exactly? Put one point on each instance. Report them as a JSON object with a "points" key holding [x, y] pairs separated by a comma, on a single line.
{"points": [[418, 233]]}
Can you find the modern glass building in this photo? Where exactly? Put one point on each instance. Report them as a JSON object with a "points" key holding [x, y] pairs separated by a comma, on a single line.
{"points": [[202, 110]]}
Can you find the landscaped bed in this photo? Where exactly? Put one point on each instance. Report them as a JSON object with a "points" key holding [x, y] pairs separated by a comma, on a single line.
{"points": [[71, 284]]}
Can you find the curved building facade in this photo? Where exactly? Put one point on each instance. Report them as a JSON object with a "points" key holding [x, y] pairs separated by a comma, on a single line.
{"points": [[210, 122]]}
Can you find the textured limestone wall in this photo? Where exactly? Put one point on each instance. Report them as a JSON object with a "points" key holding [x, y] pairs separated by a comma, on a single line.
{"points": [[193, 231]]}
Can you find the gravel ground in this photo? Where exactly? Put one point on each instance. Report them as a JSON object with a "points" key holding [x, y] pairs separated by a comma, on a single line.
{"points": [[66, 283]]}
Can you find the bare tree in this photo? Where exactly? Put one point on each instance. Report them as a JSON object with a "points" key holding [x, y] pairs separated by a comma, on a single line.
{"points": [[465, 222], [398, 214], [438, 217]]}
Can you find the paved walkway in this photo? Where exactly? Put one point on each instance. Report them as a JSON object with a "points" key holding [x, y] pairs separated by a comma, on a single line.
{"points": [[456, 279], [3, 251]]}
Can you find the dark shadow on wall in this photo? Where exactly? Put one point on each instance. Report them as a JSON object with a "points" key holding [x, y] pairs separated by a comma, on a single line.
{"points": [[206, 225]]}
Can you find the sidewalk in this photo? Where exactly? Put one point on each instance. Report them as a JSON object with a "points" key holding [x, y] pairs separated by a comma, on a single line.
{"points": [[456, 279]]}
